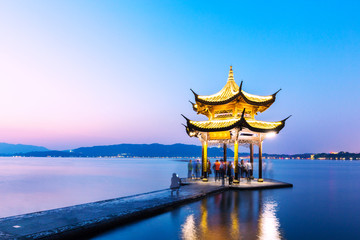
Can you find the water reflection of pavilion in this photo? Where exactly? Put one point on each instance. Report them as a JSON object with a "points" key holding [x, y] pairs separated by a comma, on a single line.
{"points": [[225, 216]]}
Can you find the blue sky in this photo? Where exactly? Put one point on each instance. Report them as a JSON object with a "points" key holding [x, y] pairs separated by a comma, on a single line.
{"points": [[83, 73]]}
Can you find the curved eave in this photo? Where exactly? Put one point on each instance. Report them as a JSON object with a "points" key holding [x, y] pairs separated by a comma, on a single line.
{"points": [[225, 101], [218, 129], [241, 94], [258, 103], [276, 129], [241, 123]]}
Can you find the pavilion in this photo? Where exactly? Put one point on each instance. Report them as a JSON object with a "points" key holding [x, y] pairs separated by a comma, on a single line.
{"points": [[231, 122]]}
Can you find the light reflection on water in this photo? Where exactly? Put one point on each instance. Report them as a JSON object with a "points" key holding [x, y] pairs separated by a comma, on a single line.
{"points": [[188, 229], [229, 215], [268, 222], [226, 215]]}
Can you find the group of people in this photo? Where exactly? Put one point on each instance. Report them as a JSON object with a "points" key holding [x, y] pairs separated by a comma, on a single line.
{"points": [[221, 169], [246, 170], [194, 169]]}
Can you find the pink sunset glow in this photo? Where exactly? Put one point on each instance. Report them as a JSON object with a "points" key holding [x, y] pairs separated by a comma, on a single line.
{"points": [[115, 73]]}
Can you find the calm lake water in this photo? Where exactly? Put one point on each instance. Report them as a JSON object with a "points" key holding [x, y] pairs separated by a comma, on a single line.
{"points": [[35, 184], [324, 203]]}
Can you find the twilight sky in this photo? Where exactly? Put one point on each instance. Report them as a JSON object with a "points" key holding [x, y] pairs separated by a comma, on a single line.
{"points": [[84, 73]]}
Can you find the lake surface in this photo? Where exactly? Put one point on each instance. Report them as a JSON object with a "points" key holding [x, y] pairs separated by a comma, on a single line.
{"points": [[35, 184], [324, 203]]}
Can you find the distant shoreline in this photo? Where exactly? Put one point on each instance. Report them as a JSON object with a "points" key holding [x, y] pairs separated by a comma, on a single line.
{"points": [[185, 158], [156, 150]]}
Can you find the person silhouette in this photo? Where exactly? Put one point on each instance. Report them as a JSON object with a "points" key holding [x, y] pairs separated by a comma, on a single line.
{"points": [[175, 183]]}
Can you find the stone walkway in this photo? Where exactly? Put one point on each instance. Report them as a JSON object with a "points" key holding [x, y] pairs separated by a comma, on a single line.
{"points": [[246, 185], [76, 221]]}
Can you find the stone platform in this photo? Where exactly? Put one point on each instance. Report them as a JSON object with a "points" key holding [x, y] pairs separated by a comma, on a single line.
{"points": [[82, 221]]}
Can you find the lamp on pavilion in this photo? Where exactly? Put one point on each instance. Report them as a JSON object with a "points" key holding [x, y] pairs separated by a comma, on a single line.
{"points": [[270, 135]]}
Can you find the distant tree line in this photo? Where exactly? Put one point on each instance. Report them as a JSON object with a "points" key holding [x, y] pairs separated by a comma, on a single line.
{"points": [[173, 151]]}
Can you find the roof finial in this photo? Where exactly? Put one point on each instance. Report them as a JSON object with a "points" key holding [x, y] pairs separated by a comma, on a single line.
{"points": [[231, 75]]}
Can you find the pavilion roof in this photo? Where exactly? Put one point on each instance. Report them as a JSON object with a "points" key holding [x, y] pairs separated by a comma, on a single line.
{"points": [[228, 124], [232, 91]]}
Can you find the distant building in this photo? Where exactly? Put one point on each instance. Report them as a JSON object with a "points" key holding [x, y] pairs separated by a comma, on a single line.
{"points": [[231, 121]]}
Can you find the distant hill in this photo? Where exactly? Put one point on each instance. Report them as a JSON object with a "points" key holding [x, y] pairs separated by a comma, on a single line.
{"points": [[149, 150], [51, 153], [11, 149], [337, 156], [134, 150], [175, 150]]}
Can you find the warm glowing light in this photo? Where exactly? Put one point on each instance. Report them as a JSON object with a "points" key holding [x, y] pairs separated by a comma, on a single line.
{"points": [[219, 135], [268, 223], [204, 221], [188, 229], [270, 135], [235, 231]]}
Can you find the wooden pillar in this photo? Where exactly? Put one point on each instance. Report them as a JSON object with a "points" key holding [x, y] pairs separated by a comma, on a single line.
{"points": [[236, 161], [225, 147], [202, 159], [252, 159], [260, 163], [204, 162]]}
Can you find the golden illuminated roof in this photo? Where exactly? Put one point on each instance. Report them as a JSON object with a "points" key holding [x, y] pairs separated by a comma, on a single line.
{"points": [[232, 91], [262, 124], [214, 124], [257, 98], [227, 124], [223, 108]]}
